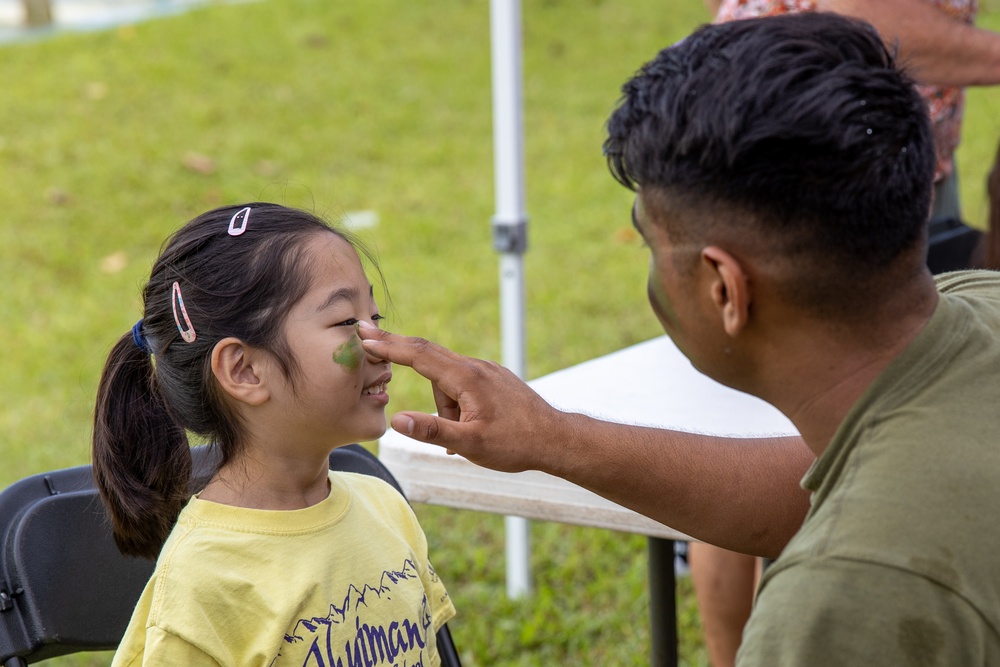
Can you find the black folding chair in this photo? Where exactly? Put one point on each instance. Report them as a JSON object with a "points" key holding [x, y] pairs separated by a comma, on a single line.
{"points": [[951, 245], [65, 588]]}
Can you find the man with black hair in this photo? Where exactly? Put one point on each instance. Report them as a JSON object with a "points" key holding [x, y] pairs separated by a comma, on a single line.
{"points": [[939, 45], [783, 171]]}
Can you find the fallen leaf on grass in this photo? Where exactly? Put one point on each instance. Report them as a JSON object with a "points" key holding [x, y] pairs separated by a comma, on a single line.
{"points": [[95, 90], [114, 262], [268, 168], [198, 163], [626, 235], [57, 196], [316, 41]]}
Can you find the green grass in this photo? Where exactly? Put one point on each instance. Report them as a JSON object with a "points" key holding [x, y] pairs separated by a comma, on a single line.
{"points": [[378, 105]]}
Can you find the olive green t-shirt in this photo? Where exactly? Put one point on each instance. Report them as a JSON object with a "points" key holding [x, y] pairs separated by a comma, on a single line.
{"points": [[898, 561]]}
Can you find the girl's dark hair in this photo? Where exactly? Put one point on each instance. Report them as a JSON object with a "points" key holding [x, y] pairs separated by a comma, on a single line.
{"points": [[151, 396]]}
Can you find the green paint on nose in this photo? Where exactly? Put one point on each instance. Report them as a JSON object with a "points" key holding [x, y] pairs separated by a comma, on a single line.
{"points": [[349, 354]]}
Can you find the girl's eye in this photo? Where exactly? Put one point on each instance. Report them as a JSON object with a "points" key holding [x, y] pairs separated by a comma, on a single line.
{"points": [[353, 321]]}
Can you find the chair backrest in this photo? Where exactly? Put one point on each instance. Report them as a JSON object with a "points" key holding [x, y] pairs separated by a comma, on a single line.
{"points": [[65, 588], [952, 246], [63, 584]]}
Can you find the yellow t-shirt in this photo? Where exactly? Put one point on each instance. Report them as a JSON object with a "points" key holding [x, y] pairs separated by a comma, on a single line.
{"points": [[342, 583]]}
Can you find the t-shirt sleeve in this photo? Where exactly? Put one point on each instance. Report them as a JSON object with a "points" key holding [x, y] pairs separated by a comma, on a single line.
{"points": [[442, 609], [439, 601], [394, 507], [836, 611]]}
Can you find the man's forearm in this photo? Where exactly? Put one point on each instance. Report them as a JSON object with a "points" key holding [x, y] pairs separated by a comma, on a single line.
{"points": [[740, 494], [935, 48]]}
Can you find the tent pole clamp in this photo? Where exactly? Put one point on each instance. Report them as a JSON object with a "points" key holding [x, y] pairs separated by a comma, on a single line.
{"points": [[510, 236]]}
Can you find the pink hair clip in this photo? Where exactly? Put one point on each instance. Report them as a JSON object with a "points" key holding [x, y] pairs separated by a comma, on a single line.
{"points": [[177, 300], [238, 223]]}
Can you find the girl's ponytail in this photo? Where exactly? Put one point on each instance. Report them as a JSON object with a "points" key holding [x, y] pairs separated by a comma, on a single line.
{"points": [[141, 458]]}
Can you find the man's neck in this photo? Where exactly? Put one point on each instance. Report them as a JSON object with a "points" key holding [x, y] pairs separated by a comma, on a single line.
{"points": [[821, 371]]}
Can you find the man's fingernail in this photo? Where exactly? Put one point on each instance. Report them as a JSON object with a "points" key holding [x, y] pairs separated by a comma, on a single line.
{"points": [[404, 425], [362, 324]]}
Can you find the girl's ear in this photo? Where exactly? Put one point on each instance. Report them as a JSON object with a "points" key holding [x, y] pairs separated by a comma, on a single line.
{"points": [[237, 367]]}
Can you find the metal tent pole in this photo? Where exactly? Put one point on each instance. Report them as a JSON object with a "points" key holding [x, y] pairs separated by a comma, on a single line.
{"points": [[510, 233]]}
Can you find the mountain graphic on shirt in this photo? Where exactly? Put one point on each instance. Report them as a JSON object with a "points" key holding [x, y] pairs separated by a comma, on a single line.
{"points": [[354, 599], [383, 622]]}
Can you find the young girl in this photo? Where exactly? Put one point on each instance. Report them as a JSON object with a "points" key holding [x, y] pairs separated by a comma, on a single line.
{"points": [[248, 339]]}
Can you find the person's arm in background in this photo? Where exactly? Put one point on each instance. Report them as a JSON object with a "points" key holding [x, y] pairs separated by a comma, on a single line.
{"points": [[712, 6], [936, 48], [740, 494]]}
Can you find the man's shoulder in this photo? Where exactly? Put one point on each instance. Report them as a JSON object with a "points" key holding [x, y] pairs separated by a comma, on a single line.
{"points": [[971, 301], [976, 282]]}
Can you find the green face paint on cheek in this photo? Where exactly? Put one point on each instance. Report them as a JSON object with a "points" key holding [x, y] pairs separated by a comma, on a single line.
{"points": [[349, 354]]}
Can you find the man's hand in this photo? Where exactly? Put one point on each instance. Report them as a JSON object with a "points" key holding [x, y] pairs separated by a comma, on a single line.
{"points": [[485, 412]]}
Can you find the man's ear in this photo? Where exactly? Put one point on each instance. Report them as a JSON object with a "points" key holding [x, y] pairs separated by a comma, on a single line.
{"points": [[237, 367], [730, 288]]}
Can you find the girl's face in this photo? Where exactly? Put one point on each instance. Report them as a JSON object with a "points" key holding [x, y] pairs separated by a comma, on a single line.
{"points": [[338, 393]]}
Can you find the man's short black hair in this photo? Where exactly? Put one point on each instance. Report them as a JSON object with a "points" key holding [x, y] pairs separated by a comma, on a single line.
{"points": [[801, 121]]}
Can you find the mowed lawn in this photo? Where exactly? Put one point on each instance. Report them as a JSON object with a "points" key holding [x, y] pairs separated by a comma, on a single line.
{"points": [[367, 111]]}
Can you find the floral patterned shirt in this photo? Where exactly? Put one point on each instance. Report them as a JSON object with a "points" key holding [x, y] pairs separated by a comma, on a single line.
{"points": [[945, 103]]}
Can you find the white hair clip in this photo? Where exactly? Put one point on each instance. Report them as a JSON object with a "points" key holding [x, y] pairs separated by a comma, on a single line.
{"points": [[177, 300], [238, 223]]}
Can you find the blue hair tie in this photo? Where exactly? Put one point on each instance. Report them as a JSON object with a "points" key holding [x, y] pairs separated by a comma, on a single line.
{"points": [[138, 338]]}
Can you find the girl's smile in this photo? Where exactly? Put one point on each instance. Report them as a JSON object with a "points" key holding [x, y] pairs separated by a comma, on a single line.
{"points": [[376, 390]]}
